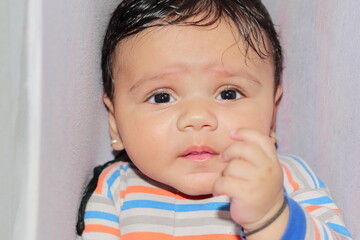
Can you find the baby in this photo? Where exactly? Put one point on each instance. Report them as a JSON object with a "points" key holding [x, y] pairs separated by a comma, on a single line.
{"points": [[192, 90]]}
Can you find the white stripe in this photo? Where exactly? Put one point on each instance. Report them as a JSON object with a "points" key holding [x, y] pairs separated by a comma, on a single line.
{"points": [[166, 213], [106, 208], [97, 236], [133, 228], [102, 222], [148, 212]]}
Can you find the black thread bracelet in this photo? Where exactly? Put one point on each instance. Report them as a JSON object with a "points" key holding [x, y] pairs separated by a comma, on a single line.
{"points": [[244, 234]]}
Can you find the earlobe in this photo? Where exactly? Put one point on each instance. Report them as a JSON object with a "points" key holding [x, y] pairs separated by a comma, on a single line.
{"points": [[116, 142]]}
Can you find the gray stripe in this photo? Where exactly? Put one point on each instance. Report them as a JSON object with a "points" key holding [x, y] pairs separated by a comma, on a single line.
{"points": [[146, 220], [314, 193], [294, 169], [197, 222], [298, 194], [328, 215], [193, 222], [99, 199]]}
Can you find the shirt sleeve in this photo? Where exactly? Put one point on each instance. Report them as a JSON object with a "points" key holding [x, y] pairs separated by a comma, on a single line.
{"points": [[313, 213], [102, 210]]}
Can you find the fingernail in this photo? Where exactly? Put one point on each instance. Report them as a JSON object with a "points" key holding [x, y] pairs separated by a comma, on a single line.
{"points": [[234, 135], [233, 131]]}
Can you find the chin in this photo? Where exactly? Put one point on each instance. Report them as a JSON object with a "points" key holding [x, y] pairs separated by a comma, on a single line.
{"points": [[196, 188]]}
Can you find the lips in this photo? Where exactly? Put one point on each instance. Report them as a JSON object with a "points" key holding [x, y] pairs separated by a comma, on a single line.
{"points": [[199, 153]]}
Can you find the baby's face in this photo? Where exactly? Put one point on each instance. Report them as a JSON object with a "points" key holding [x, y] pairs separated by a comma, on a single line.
{"points": [[178, 93]]}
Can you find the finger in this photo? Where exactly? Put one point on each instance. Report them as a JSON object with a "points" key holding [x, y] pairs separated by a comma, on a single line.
{"points": [[246, 151], [240, 169], [263, 141], [257, 176], [248, 161], [228, 186], [244, 191]]}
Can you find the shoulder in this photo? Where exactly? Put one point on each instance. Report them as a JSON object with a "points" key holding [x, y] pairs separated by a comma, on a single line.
{"points": [[298, 174], [111, 176]]}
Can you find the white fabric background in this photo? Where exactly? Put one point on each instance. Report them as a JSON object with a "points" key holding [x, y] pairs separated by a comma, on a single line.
{"points": [[53, 126], [13, 113], [319, 118]]}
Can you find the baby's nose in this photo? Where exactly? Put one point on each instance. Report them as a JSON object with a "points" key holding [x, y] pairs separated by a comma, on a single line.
{"points": [[197, 115]]}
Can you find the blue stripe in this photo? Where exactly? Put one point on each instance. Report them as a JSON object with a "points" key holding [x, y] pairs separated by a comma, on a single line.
{"points": [[306, 169], [340, 229], [325, 233], [127, 166], [112, 178], [115, 175], [109, 195], [322, 184], [317, 201], [111, 181], [176, 208], [101, 215]]}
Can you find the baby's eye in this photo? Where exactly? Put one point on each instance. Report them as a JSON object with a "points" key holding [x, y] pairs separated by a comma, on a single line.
{"points": [[229, 94], [161, 97]]}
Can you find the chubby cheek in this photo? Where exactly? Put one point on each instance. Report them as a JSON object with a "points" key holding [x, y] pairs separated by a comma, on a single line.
{"points": [[262, 123], [145, 138], [257, 120]]}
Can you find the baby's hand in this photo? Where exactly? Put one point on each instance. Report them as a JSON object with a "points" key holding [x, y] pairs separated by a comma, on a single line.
{"points": [[253, 179]]}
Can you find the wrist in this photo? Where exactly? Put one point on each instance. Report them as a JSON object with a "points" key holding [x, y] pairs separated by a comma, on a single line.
{"points": [[276, 221]]}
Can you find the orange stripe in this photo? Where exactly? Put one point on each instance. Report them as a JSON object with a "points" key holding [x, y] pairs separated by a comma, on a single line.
{"points": [[317, 232], [294, 184], [163, 236], [150, 190], [161, 192], [122, 194], [102, 229], [145, 235], [337, 237], [337, 210], [99, 186], [315, 207], [312, 208]]}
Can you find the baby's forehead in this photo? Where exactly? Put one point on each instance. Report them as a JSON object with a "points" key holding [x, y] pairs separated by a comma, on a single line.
{"points": [[212, 50]]}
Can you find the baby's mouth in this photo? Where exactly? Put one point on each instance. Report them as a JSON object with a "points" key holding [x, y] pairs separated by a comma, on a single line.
{"points": [[199, 153]]}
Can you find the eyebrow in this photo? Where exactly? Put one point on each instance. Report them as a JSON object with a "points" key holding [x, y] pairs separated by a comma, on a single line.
{"points": [[222, 72], [151, 77], [239, 73]]}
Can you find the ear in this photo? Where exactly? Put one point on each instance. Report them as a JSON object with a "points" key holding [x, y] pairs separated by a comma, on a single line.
{"points": [[277, 98], [114, 133]]}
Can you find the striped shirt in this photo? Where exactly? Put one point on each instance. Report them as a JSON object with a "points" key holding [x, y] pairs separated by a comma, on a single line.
{"points": [[128, 205]]}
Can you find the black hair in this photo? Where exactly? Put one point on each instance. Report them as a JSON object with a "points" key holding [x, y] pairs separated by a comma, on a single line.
{"points": [[133, 16]]}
